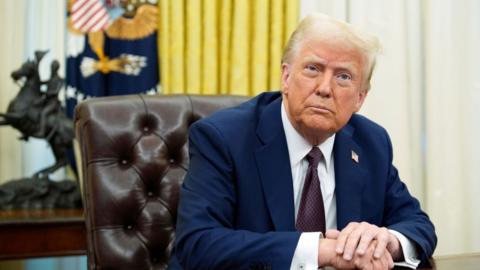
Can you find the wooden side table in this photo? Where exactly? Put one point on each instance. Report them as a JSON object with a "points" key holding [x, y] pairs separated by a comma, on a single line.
{"points": [[42, 233]]}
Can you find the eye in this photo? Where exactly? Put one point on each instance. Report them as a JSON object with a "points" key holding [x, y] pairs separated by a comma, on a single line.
{"points": [[344, 77], [311, 68]]}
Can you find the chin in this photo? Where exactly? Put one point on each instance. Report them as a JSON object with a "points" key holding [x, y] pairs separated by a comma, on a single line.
{"points": [[321, 128]]}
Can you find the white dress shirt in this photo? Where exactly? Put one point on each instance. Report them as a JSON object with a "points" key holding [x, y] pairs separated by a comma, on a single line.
{"points": [[306, 252]]}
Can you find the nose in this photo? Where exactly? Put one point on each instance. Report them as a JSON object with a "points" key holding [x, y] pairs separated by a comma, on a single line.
{"points": [[324, 87]]}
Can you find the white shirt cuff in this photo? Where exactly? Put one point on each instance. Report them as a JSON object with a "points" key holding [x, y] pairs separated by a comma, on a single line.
{"points": [[409, 252], [306, 252]]}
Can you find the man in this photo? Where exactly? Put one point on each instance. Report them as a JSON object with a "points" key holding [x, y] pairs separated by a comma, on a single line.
{"points": [[267, 178], [49, 103]]}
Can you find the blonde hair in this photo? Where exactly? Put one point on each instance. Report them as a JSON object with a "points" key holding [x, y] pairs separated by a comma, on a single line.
{"points": [[332, 30]]}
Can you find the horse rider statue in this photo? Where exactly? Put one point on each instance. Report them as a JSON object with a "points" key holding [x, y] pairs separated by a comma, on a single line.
{"points": [[40, 114]]}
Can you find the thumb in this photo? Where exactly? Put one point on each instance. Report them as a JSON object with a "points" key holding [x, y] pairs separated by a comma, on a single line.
{"points": [[332, 234]]}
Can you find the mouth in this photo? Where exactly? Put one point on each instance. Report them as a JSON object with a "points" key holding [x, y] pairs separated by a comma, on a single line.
{"points": [[320, 109]]}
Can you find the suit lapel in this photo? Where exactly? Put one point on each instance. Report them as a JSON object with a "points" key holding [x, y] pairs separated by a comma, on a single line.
{"points": [[274, 168], [350, 176]]}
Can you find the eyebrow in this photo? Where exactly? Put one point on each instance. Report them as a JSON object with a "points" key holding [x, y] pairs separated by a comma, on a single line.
{"points": [[341, 65]]}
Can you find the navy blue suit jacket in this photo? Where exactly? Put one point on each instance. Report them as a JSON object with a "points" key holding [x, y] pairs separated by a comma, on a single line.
{"points": [[236, 206]]}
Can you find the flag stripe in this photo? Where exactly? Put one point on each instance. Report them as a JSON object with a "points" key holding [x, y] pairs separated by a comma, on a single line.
{"points": [[98, 24], [89, 15], [84, 14], [77, 13], [93, 19], [79, 4], [101, 25]]}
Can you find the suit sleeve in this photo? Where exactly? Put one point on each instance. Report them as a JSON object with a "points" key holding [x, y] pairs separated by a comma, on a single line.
{"points": [[404, 215], [206, 234]]}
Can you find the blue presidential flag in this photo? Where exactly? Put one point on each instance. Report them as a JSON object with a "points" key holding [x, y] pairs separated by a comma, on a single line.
{"points": [[111, 49]]}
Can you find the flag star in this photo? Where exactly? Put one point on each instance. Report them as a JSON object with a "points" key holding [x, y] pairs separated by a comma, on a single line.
{"points": [[80, 96], [152, 91], [62, 95], [71, 92]]}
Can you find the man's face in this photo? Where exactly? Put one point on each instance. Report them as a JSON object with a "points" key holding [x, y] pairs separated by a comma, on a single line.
{"points": [[322, 88]]}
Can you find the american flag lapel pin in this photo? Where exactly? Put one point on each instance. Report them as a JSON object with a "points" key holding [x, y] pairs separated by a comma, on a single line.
{"points": [[354, 156]]}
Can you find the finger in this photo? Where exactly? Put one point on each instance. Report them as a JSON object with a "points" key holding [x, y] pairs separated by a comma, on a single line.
{"points": [[389, 260], [382, 263], [361, 262], [332, 234], [342, 237], [365, 241], [370, 266], [368, 256], [382, 241], [394, 247], [355, 236], [352, 242], [385, 262], [379, 264]]}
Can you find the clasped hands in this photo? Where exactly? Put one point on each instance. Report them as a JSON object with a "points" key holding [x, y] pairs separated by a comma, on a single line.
{"points": [[359, 246]]}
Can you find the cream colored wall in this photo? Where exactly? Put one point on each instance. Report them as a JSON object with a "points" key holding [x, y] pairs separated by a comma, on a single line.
{"points": [[12, 25], [453, 122]]}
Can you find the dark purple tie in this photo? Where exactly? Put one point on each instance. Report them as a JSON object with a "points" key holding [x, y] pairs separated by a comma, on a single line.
{"points": [[311, 214]]}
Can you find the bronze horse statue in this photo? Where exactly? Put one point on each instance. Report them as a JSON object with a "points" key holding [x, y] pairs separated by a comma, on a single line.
{"points": [[39, 114]]}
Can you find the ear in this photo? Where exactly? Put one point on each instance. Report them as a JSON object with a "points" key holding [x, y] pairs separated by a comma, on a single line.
{"points": [[361, 98], [285, 76]]}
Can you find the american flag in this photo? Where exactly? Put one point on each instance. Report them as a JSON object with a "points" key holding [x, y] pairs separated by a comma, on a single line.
{"points": [[89, 15]]}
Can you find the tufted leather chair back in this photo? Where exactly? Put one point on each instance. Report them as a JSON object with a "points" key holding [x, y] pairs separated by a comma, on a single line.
{"points": [[134, 155]]}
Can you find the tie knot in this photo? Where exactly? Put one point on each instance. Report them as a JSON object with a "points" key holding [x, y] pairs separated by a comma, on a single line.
{"points": [[314, 156]]}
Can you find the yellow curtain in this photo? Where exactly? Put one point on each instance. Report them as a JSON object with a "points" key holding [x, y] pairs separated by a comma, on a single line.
{"points": [[223, 46]]}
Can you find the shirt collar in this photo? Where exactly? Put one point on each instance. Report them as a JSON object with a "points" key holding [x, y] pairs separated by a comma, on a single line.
{"points": [[298, 147]]}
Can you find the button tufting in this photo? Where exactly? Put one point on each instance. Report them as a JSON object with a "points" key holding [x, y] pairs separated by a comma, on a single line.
{"points": [[149, 154]]}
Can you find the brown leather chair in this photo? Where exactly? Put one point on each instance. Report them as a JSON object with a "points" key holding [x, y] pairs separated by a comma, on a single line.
{"points": [[134, 155]]}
